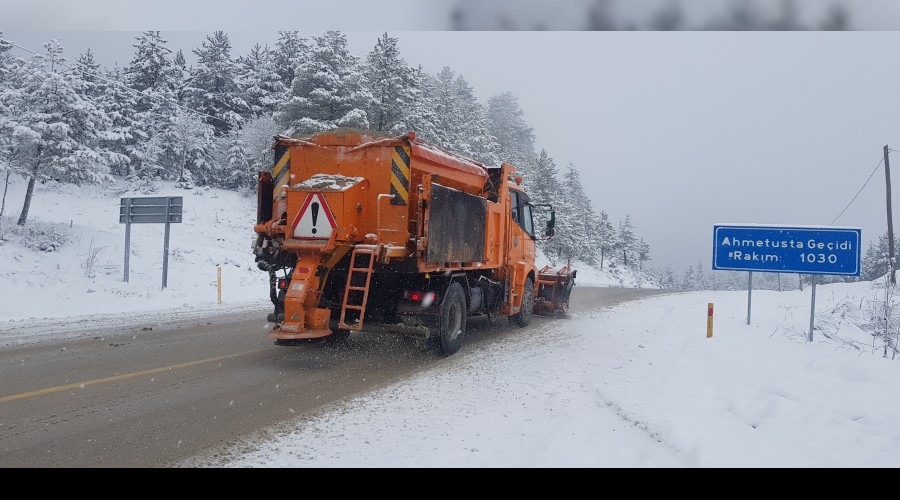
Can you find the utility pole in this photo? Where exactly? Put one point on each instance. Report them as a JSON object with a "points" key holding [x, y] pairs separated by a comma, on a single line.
{"points": [[890, 218]]}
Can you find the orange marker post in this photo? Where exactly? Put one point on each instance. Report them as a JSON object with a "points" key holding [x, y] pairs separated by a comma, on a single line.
{"points": [[709, 321]]}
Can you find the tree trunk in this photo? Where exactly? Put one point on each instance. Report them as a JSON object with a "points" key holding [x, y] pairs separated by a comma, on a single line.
{"points": [[28, 193], [601, 257], [5, 189], [801, 282], [625, 256]]}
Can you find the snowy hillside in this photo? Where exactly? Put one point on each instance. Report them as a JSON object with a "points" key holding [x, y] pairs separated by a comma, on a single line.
{"points": [[83, 274], [615, 276], [635, 385], [68, 260]]}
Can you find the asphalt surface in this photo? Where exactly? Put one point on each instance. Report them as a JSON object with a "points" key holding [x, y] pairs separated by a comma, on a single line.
{"points": [[152, 398]]}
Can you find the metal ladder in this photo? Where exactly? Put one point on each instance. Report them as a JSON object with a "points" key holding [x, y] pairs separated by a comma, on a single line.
{"points": [[369, 251]]}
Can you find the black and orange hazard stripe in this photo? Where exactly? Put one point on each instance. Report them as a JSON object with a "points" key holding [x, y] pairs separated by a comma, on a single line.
{"points": [[400, 175], [282, 166]]}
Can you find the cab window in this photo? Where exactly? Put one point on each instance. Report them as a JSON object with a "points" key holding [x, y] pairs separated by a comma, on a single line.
{"points": [[514, 205], [528, 221]]}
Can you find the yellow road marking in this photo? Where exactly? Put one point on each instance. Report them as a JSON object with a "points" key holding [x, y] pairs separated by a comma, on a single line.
{"points": [[117, 378]]}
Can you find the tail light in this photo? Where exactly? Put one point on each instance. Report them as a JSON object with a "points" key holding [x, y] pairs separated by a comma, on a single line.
{"points": [[425, 298], [282, 283]]}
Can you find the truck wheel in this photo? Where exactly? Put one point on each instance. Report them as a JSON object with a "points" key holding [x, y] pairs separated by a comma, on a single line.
{"points": [[523, 317], [453, 320]]}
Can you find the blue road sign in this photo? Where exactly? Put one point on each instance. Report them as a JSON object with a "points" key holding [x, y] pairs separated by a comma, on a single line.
{"points": [[787, 249]]}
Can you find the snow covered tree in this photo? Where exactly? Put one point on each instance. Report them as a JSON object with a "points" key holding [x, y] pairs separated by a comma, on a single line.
{"points": [[256, 137], [608, 237], [151, 67], [184, 150], [515, 139], [8, 68], [89, 71], [643, 252], [421, 117], [56, 130], [460, 119], [290, 52], [180, 76], [125, 132], [328, 90], [152, 73], [391, 85], [260, 85], [876, 261], [213, 88], [544, 187], [238, 172], [472, 138], [627, 238]]}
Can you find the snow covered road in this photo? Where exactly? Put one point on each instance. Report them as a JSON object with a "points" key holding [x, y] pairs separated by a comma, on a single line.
{"points": [[634, 385], [138, 397]]}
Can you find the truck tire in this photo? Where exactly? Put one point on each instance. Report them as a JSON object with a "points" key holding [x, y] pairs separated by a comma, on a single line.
{"points": [[523, 317], [452, 320]]}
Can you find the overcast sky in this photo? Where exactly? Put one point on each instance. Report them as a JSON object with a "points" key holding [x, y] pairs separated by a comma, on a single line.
{"points": [[681, 130]]}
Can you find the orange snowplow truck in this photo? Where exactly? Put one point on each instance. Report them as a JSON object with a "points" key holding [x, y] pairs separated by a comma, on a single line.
{"points": [[359, 230]]}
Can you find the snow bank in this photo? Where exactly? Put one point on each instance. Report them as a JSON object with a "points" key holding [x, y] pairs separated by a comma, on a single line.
{"points": [[83, 276], [614, 277], [636, 385]]}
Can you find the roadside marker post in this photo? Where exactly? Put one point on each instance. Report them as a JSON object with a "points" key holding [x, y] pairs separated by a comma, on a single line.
{"points": [[219, 282], [709, 321]]}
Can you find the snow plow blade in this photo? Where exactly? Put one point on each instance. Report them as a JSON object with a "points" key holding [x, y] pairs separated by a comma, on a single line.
{"points": [[554, 288]]}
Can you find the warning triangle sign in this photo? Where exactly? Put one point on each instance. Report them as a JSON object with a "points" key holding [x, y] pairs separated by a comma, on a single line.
{"points": [[314, 221]]}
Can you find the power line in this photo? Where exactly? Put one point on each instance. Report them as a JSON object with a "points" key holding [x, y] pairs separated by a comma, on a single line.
{"points": [[858, 192], [123, 86]]}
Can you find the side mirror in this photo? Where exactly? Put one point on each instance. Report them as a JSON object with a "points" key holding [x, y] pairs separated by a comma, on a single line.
{"points": [[551, 224]]}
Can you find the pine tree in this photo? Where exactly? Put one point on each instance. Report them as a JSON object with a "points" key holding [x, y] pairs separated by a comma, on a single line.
{"points": [[184, 151], [126, 132], [643, 252], [544, 187], [421, 117], [460, 119], [260, 85], [151, 68], [290, 52], [689, 282], [152, 73], [515, 139], [213, 89], [8, 68], [627, 238], [472, 137], [238, 172], [89, 70], [180, 76], [608, 237], [328, 91], [256, 137], [56, 130], [876, 261], [386, 72]]}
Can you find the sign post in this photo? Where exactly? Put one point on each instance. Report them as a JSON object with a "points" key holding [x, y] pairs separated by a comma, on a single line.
{"points": [[150, 210], [787, 249], [812, 309], [749, 294]]}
